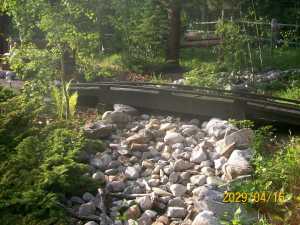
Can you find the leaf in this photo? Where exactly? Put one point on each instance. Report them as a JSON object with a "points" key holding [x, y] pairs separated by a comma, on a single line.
{"points": [[73, 103]]}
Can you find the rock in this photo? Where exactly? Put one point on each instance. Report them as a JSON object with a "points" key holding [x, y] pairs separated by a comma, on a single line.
{"points": [[206, 163], [239, 139], [218, 128], [161, 192], [117, 117], [145, 117], [198, 156], [147, 217], [176, 212], [137, 139], [174, 177], [213, 180], [116, 186], [221, 209], [167, 126], [172, 138], [177, 190], [88, 197], [138, 147], [204, 192], [148, 164], [91, 223], [208, 171], [76, 200], [238, 164], [132, 172], [162, 220], [182, 165], [219, 162], [98, 130], [189, 130], [101, 161], [133, 212], [154, 182], [198, 180], [87, 209], [176, 202], [99, 176], [185, 176], [126, 109], [145, 202], [206, 218]]}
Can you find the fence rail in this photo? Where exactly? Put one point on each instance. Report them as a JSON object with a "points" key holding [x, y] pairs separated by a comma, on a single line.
{"points": [[249, 22]]}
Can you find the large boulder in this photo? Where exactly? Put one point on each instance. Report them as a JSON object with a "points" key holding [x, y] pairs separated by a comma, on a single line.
{"points": [[206, 218], [87, 209], [117, 117], [238, 164], [239, 139], [126, 108], [218, 128], [98, 130]]}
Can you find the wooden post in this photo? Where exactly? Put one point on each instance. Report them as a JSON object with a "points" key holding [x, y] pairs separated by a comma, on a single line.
{"points": [[275, 29]]}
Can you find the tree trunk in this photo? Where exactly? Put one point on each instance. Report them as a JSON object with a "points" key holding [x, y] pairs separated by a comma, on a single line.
{"points": [[173, 49]]}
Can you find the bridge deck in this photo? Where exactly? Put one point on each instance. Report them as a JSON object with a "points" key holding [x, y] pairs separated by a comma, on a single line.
{"points": [[195, 101]]}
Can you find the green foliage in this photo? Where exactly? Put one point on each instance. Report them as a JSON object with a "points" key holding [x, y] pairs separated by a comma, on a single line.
{"points": [[233, 51], [240, 124], [65, 105], [143, 25], [38, 162], [204, 76], [5, 94], [276, 170], [290, 93]]}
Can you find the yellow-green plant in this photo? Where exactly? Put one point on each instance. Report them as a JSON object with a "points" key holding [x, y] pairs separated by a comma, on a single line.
{"points": [[65, 104]]}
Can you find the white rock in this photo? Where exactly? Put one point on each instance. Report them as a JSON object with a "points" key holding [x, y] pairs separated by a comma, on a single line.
{"points": [[117, 117], [145, 202], [238, 164], [132, 172], [219, 162], [198, 156], [206, 218], [182, 165], [198, 180], [177, 190], [126, 109], [213, 180], [91, 223], [99, 176], [176, 202], [176, 212], [239, 139], [172, 138], [218, 128]]}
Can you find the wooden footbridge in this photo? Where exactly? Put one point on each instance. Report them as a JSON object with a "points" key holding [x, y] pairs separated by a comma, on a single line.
{"points": [[190, 100]]}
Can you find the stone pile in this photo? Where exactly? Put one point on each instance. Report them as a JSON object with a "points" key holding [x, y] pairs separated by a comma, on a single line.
{"points": [[161, 170]]}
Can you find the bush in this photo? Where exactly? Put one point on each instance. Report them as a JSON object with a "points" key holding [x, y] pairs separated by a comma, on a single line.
{"points": [[204, 76], [5, 94], [38, 163]]}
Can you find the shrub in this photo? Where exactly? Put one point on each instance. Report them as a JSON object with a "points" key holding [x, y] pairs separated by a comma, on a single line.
{"points": [[204, 76], [38, 163]]}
